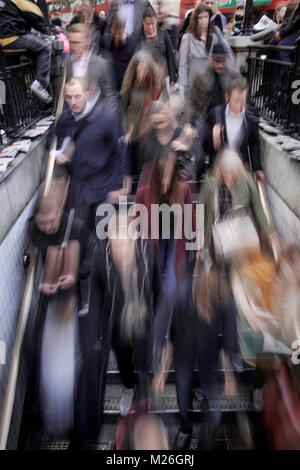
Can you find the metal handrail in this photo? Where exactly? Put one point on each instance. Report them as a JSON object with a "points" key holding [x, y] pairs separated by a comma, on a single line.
{"points": [[267, 211], [10, 391], [268, 47]]}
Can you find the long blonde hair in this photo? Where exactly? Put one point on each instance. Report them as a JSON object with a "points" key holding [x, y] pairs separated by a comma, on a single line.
{"points": [[229, 160]]}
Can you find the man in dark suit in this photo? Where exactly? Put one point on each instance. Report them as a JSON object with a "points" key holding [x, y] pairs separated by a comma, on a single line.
{"points": [[131, 10], [82, 59], [235, 125], [95, 162]]}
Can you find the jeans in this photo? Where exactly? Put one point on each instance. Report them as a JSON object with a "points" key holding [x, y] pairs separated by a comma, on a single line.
{"points": [[42, 51]]}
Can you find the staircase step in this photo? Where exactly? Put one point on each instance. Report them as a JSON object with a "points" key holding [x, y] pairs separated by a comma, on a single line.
{"points": [[113, 373], [167, 402], [225, 436]]}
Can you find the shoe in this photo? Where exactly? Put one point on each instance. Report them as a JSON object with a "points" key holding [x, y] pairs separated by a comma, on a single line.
{"points": [[182, 441], [126, 400], [41, 92]]}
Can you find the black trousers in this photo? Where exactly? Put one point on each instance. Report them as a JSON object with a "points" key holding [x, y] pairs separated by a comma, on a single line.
{"points": [[203, 353], [131, 356], [42, 52]]}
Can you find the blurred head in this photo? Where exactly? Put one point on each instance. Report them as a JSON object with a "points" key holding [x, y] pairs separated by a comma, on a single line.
{"points": [[161, 116], [203, 20], [279, 13], [200, 20], [229, 168], [77, 94], [50, 208], [237, 95], [218, 58], [102, 14], [80, 39], [210, 5], [117, 30], [150, 23], [144, 71], [56, 21], [84, 8]]}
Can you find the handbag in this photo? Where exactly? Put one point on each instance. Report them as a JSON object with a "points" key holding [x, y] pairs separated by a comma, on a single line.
{"points": [[234, 236], [64, 259]]}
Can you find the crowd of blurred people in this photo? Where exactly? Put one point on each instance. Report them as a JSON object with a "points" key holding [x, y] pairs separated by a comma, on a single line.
{"points": [[172, 127]]}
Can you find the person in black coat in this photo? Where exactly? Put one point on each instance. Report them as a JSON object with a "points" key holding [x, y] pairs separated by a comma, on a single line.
{"points": [[126, 276], [158, 42], [287, 35], [119, 48], [97, 165], [68, 407], [16, 21], [235, 125], [204, 322]]}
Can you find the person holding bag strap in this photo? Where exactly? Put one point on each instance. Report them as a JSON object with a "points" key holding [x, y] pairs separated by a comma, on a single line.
{"points": [[231, 186]]}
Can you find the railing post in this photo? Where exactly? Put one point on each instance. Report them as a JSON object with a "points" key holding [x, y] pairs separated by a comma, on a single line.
{"points": [[294, 104]]}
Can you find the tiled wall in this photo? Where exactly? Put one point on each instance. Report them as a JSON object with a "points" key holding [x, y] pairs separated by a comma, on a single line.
{"points": [[286, 222], [12, 283]]}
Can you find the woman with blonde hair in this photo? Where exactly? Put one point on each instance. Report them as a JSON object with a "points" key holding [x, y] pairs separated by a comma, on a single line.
{"points": [[230, 188], [83, 12], [216, 17]]}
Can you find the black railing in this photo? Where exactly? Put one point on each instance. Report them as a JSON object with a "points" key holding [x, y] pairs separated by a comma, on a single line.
{"points": [[273, 85], [19, 106]]}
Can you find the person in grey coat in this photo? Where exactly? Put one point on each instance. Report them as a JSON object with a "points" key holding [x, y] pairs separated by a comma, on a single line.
{"points": [[196, 48], [83, 62]]}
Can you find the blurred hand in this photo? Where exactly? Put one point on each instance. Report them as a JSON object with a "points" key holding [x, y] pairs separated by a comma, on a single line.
{"points": [[277, 36], [128, 136], [217, 141], [230, 390], [259, 176], [275, 244], [158, 383], [62, 159], [178, 146], [199, 255], [113, 196], [66, 281], [48, 289], [189, 131]]}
